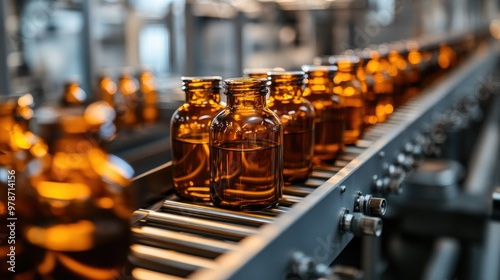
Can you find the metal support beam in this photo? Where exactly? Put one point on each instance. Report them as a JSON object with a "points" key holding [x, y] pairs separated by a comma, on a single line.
{"points": [[87, 49], [4, 67]]}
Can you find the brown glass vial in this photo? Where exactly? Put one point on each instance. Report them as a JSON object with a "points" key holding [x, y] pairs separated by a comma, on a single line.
{"points": [[447, 57], [395, 57], [128, 102], [79, 209], [106, 88], [73, 94], [297, 116], [347, 85], [246, 149], [189, 134], [18, 146], [149, 94], [330, 119], [379, 98], [415, 60]]}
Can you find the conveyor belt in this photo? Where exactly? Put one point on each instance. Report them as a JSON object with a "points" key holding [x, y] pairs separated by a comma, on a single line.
{"points": [[176, 239]]}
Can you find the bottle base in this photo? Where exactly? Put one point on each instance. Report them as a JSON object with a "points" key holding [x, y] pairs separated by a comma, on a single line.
{"points": [[245, 205], [193, 197]]}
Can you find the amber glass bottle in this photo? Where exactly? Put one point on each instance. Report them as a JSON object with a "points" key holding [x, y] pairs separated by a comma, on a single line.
{"points": [[246, 149], [347, 85], [414, 58], [447, 57], [76, 210], [18, 147], [297, 116], [395, 57], [189, 131], [73, 94], [379, 99], [128, 102], [330, 120], [150, 97], [106, 88]]}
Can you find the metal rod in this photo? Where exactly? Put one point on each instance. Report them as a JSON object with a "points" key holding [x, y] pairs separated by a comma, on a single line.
{"points": [[217, 213], [491, 255], [141, 273], [444, 260], [170, 258], [297, 190], [168, 239], [288, 200], [484, 158], [370, 247], [87, 48], [196, 225]]}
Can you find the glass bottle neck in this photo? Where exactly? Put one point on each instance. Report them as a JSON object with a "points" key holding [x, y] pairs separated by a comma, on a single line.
{"points": [[202, 97], [246, 93], [246, 101]]}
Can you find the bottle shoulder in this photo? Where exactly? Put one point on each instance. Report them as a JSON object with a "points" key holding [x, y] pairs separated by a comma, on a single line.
{"points": [[188, 113], [246, 118], [296, 106]]}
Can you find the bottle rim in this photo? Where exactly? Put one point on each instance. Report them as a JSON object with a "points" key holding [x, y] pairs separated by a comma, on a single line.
{"points": [[245, 84], [201, 82], [261, 71], [323, 68]]}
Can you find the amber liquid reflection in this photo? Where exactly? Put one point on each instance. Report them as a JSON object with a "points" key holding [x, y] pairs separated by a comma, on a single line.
{"points": [[354, 123], [297, 165], [191, 172], [245, 174], [94, 247], [328, 142]]}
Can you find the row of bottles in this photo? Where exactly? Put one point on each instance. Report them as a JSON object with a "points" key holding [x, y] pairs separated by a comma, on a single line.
{"points": [[133, 98], [240, 154], [68, 199]]}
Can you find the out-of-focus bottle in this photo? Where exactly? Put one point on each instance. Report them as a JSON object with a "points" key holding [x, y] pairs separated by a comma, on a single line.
{"points": [[395, 58], [347, 85], [414, 58], [260, 73], [149, 95], [18, 146], [73, 94], [330, 120], [379, 99], [297, 116], [189, 132], [128, 102], [447, 57], [76, 210], [246, 149], [106, 88]]}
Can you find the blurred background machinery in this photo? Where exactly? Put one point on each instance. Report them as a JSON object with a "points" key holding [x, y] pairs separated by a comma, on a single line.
{"points": [[46, 42]]}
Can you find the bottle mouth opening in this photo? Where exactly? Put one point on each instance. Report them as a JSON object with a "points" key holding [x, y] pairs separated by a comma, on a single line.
{"points": [[308, 69], [242, 85], [201, 83], [260, 72], [353, 59]]}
